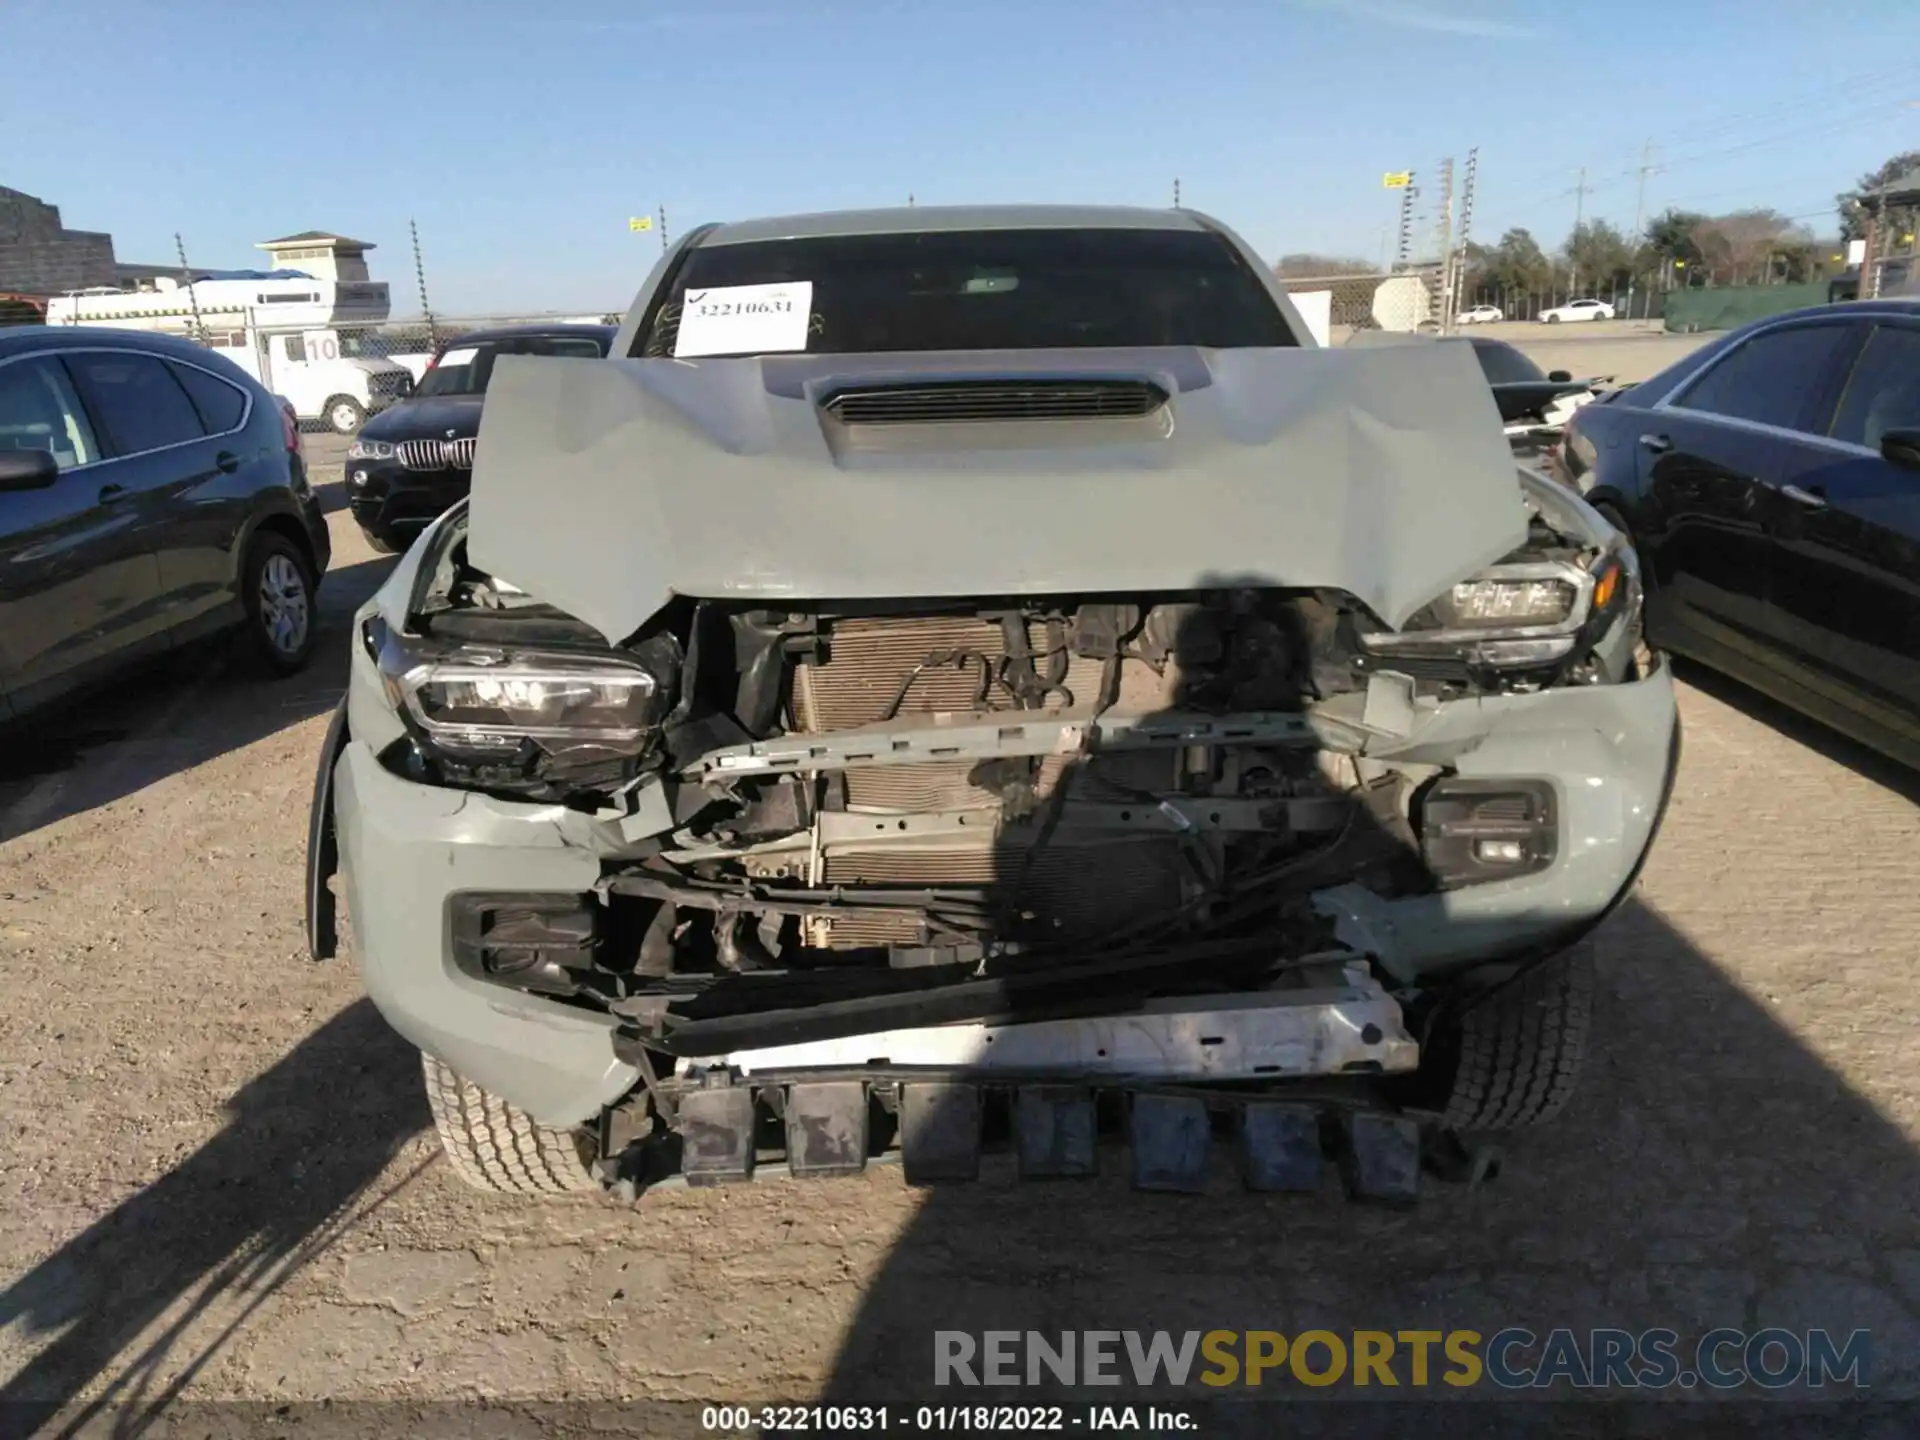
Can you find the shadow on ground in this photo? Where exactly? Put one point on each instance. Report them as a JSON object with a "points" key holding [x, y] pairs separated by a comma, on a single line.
{"points": [[184, 709], [1711, 1172], [235, 1218]]}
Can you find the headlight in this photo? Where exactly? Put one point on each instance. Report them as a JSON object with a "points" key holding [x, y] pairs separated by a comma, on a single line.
{"points": [[1498, 601], [1512, 617], [482, 701], [514, 715], [370, 450]]}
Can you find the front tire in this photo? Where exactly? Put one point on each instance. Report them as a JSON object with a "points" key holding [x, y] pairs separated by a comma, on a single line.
{"points": [[1514, 1060], [345, 415], [497, 1148], [277, 590]]}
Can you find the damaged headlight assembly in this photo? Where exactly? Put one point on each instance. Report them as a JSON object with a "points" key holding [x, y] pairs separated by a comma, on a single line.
{"points": [[1517, 616], [502, 714]]}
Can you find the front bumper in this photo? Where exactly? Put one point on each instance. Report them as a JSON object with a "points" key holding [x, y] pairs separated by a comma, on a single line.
{"points": [[405, 849], [389, 499]]}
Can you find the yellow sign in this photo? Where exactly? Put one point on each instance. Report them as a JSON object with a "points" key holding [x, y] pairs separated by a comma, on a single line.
{"points": [[639, 222], [1396, 179]]}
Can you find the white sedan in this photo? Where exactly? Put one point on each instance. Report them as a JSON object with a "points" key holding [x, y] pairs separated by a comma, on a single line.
{"points": [[1481, 315], [1578, 310]]}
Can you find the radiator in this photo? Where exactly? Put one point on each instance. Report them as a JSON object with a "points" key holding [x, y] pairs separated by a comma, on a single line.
{"points": [[1070, 891]]}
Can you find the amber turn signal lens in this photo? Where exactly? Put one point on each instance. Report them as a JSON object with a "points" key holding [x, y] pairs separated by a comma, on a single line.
{"points": [[1604, 587]]}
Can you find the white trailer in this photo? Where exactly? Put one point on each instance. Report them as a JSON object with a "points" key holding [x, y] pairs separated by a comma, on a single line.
{"points": [[299, 336]]}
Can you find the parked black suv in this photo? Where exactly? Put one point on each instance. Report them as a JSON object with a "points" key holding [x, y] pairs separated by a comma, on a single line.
{"points": [[151, 493], [411, 463]]}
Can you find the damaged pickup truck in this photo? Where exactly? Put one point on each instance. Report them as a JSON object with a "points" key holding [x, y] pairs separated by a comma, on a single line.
{"points": [[964, 681]]}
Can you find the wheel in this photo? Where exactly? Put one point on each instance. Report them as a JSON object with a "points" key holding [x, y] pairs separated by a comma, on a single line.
{"points": [[1514, 1059], [1553, 319], [346, 415], [380, 542], [276, 587], [494, 1147]]}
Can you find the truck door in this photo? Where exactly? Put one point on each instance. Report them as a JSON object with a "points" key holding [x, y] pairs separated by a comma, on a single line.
{"points": [[293, 375]]}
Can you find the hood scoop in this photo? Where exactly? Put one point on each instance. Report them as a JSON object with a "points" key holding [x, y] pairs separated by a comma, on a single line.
{"points": [[962, 402]]}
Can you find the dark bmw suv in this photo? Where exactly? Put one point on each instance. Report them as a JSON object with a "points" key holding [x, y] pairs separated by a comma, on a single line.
{"points": [[1771, 481], [412, 462], [151, 494]]}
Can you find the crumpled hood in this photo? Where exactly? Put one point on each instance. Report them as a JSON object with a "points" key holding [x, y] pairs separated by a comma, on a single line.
{"points": [[605, 487]]}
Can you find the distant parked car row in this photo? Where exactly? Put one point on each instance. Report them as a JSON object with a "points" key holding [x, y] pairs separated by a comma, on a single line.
{"points": [[1573, 310]]}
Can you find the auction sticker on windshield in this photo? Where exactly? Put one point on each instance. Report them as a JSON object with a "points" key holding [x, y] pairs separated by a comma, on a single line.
{"points": [[744, 319], [458, 357]]}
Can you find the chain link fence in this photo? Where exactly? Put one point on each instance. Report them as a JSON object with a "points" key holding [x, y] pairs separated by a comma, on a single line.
{"points": [[1631, 302], [1406, 301]]}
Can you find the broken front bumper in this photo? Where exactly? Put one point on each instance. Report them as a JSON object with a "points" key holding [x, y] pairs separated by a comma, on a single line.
{"points": [[406, 849]]}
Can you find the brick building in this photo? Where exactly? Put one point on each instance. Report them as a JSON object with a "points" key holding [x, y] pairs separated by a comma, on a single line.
{"points": [[40, 256]]}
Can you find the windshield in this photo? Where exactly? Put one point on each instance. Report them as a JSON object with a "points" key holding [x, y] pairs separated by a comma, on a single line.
{"points": [[977, 290], [1504, 365], [467, 369]]}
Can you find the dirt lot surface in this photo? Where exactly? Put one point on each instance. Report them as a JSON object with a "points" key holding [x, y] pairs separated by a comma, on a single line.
{"points": [[218, 1181]]}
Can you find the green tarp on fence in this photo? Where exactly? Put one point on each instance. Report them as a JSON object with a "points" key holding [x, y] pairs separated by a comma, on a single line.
{"points": [[1725, 306]]}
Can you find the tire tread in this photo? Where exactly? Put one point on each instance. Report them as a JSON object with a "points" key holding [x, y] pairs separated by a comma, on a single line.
{"points": [[495, 1147], [1521, 1051]]}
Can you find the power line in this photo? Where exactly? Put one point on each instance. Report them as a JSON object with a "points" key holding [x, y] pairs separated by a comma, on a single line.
{"points": [[1852, 87]]}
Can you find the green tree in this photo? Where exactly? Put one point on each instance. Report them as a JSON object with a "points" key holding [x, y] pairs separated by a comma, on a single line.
{"points": [[1598, 257], [1669, 238], [1857, 204], [1515, 265]]}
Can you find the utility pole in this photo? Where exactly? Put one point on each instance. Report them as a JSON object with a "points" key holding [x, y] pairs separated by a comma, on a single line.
{"points": [[1445, 277], [186, 279], [1176, 192], [1579, 219], [1647, 167], [1457, 274], [1403, 246], [663, 229], [420, 279]]}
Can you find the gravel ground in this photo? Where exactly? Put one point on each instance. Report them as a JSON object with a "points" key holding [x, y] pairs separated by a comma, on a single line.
{"points": [[218, 1180]]}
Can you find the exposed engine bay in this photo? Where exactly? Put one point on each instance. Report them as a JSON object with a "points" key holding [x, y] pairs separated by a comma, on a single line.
{"points": [[830, 819]]}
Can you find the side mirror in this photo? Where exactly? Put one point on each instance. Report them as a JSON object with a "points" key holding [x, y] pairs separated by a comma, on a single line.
{"points": [[27, 469], [1559, 376], [1902, 447]]}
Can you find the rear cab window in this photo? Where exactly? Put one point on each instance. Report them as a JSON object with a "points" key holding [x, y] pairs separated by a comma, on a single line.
{"points": [[1038, 289]]}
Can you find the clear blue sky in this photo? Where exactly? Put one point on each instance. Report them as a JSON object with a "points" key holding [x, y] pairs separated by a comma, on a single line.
{"points": [[521, 134]]}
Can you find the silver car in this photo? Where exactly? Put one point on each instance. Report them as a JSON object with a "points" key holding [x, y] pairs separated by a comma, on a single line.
{"points": [[982, 680]]}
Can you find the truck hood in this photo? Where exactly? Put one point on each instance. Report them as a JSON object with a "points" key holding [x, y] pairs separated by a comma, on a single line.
{"points": [[605, 487]]}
